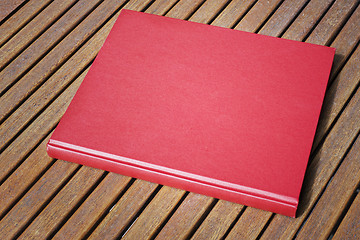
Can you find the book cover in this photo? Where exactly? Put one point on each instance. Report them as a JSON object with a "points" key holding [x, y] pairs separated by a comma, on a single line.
{"points": [[220, 112]]}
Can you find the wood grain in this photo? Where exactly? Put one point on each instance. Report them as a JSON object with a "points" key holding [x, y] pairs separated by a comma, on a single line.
{"points": [[282, 18], [68, 197], [33, 29], [24, 176], [124, 211], [37, 49], [20, 19], [155, 213], [218, 221], [37, 130], [307, 19], [350, 226], [250, 224], [7, 7], [234, 11], [186, 216], [33, 200], [257, 15], [208, 10], [330, 206], [94, 206]]}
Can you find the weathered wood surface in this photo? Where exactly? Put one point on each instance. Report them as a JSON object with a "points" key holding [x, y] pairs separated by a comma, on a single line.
{"points": [[46, 49]]}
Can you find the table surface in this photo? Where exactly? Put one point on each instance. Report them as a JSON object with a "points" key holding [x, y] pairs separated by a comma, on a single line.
{"points": [[46, 49]]}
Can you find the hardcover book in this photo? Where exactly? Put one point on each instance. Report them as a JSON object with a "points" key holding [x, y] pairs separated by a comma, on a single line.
{"points": [[220, 112]]}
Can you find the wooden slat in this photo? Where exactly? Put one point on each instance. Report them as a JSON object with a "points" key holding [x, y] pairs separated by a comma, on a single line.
{"points": [[320, 170], [155, 213], [6, 7], [37, 130], [208, 10], [35, 198], [184, 9], [56, 57], [124, 211], [338, 94], [20, 18], [330, 206], [307, 19], [234, 11], [350, 226], [257, 15], [218, 221], [332, 21], [283, 16], [55, 212], [346, 40], [94, 206], [186, 216], [34, 28], [250, 224], [60, 79], [160, 7], [43, 44], [24, 176]]}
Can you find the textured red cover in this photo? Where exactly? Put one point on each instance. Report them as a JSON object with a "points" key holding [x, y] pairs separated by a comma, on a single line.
{"points": [[215, 111]]}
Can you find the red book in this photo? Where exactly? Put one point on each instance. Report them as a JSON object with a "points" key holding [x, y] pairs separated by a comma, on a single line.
{"points": [[215, 111]]}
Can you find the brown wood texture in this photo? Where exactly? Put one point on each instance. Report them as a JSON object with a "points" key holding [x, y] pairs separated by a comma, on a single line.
{"points": [[6, 7], [46, 49]]}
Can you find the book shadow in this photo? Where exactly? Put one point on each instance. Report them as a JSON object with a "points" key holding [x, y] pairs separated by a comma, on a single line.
{"points": [[307, 190]]}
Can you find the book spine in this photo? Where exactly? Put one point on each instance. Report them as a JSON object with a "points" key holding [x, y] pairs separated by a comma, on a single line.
{"points": [[70, 155]]}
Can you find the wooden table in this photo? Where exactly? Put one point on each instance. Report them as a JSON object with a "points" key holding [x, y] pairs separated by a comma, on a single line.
{"points": [[46, 48]]}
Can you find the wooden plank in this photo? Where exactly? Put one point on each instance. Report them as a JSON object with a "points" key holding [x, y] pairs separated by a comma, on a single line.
{"points": [[333, 20], [232, 13], [218, 221], [307, 19], [33, 29], [155, 213], [24, 176], [250, 224], [56, 57], [35, 198], [338, 93], [257, 15], [94, 206], [330, 206], [43, 44], [346, 41], [160, 7], [6, 7], [184, 9], [350, 226], [124, 211], [320, 170], [51, 88], [181, 224], [283, 16], [20, 19], [37, 130], [208, 11]]}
